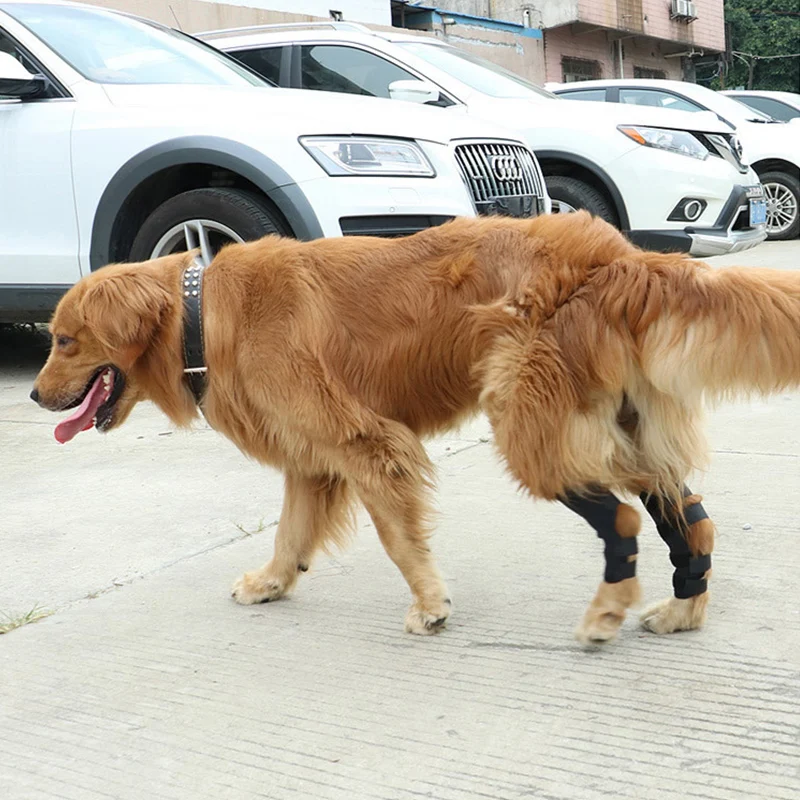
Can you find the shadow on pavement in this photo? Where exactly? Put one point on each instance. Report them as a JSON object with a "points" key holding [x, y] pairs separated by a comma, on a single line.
{"points": [[23, 347]]}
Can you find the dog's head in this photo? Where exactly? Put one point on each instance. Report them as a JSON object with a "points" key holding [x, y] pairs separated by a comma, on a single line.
{"points": [[101, 330]]}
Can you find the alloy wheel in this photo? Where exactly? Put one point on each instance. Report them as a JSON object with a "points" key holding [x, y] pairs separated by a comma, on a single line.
{"points": [[781, 207], [206, 235]]}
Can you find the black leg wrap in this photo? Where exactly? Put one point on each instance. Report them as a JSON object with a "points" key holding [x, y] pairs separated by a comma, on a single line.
{"points": [[687, 580], [600, 511]]}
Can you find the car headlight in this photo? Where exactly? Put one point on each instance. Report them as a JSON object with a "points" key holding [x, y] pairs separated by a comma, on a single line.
{"points": [[358, 155], [666, 139]]}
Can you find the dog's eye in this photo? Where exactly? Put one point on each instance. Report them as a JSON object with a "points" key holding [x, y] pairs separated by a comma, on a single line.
{"points": [[64, 341]]}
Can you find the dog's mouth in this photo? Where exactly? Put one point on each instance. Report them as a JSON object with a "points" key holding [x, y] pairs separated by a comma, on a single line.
{"points": [[95, 406]]}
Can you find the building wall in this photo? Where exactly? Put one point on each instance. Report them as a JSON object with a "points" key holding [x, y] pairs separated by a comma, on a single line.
{"points": [[647, 17], [652, 18], [601, 47], [521, 54]]}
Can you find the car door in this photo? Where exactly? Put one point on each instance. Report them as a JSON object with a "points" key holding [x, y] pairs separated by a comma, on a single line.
{"points": [[38, 225]]}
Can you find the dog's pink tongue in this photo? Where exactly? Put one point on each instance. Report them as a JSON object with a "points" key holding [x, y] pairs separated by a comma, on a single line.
{"points": [[82, 418]]}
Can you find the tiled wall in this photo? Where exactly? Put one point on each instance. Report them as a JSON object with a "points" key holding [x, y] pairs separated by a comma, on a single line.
{"points": [[598, 46], [652, 18]]}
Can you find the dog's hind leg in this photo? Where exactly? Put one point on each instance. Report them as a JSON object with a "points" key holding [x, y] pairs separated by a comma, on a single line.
{"points": [[690, 543], [617, 524], [315, 511]]}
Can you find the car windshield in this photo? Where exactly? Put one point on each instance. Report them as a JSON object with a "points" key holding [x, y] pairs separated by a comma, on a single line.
{"points": [[477, 72], [112, 48]]}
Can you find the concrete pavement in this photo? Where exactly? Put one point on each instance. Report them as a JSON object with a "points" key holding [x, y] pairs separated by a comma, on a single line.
{"points": [[147, 681]]}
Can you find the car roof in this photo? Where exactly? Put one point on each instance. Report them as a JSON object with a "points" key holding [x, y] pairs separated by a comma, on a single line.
{"points": [[652, 83], [299, 32]]}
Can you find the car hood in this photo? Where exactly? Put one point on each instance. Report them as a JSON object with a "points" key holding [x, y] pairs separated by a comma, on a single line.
{"points": [[778, 139], [575, 113], [303, 113]]}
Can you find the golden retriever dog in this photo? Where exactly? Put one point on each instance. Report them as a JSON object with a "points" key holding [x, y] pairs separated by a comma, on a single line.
{"points": [[330, 359]]}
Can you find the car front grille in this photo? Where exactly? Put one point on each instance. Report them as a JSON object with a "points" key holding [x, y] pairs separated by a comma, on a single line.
{"points": [[502, 177], [723, 146]]}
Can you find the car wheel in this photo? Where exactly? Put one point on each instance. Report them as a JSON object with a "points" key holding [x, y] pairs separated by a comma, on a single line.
{"points": [[206, 219], [571, 194], [782, 193]]}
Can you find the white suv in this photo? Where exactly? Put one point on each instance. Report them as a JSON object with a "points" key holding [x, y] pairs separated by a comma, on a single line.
{"points": [[770, 146], [670, 182], [123, 140]]}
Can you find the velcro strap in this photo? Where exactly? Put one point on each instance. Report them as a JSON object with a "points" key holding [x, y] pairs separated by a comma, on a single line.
{"points": [[685, 588], [619, 571], [620, 563], [621, 548], [690, 566], [694, 513]]}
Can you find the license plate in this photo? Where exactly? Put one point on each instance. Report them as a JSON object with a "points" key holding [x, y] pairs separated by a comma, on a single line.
{"points": [[758, 212]]}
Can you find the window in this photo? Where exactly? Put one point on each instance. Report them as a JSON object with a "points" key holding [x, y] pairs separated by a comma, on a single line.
{"points": [[650, 74], [10, 47], [579, 69], [338, 68], [266, 61], [598, 95], [766, 105], [659, 99]]}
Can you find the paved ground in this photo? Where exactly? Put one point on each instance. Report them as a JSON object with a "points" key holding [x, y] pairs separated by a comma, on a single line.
{"points": [[149, 682]]}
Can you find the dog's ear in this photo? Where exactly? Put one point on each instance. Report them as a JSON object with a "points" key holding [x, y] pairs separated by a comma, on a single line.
{"points": [[124, 308]]}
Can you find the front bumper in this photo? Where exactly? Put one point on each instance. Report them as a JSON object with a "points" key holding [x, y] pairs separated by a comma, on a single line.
{"points": [[731, 233], [340, 202]]}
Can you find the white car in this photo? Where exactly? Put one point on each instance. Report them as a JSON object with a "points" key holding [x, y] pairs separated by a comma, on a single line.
{"points": [[670, 182], [122, 140], [783, 106], [772, 148]]}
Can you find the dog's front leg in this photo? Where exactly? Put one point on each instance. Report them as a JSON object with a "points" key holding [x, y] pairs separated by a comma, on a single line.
{"points": [[617, 524], [392, 474], [690, 543], [315, 510]]}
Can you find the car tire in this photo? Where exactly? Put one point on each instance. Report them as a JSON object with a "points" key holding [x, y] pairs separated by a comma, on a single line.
{"points": [[219, 215], [783, 195], [572, 194]]}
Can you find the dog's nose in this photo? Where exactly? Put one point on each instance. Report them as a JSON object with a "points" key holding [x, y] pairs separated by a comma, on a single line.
{"points": [[35, 395]]}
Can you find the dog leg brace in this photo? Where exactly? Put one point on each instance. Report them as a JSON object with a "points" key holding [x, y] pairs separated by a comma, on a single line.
{"points": [[600, 511], [688, 579]]}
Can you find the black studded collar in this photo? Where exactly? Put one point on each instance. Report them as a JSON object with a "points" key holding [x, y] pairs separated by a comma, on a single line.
{"points": [[195, 368]]}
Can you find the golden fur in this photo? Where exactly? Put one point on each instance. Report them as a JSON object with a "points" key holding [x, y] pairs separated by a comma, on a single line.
{"points": [[330, 359]]}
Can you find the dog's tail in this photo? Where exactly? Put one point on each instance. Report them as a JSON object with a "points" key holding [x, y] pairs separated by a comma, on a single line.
{"points": [[721, 332]]}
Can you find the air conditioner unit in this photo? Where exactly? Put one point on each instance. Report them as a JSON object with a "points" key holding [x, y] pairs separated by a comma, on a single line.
{"points": [[683, 10]]}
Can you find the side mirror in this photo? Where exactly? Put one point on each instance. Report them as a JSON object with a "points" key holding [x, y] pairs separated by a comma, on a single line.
{"points": [[413, 91], [16, 81]]}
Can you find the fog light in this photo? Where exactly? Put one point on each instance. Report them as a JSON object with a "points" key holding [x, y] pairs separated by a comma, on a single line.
{"points": [[688, 210]]}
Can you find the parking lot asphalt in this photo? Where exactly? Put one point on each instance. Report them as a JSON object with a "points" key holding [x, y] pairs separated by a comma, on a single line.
{"points": [[148, 681]]}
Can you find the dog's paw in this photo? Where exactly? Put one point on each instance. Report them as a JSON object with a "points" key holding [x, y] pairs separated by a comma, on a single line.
{"points": [[606, 612], [254, 587], [676, 614], [428, 618], [598, 627]]}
